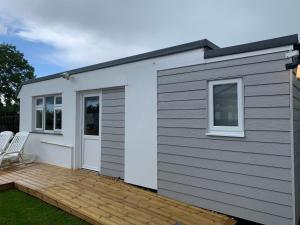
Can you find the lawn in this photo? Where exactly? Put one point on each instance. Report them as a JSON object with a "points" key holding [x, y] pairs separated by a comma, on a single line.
{"points": [[19, 208]]}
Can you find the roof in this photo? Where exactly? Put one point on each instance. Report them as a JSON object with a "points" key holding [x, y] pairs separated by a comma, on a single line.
{"points": [[211, 51], [204, 43], [254, 46]]}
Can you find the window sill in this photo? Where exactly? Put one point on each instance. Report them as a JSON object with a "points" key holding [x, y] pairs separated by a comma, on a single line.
{"points": [[47, 133], [226, 133], [58, 144]]}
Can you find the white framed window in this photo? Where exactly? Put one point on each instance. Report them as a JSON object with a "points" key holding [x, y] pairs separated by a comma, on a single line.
{"points": [[58, 113], [48, 113], [226, 108], [39, 113]]}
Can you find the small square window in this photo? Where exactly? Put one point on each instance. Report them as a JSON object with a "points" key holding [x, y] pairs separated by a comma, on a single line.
{"points": [[226, 113], [39, 101], [225, 105], [58, 100]]}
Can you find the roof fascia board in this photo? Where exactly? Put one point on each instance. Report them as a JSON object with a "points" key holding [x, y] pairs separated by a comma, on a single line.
{"points": [[251, 47], [204, 43], [249, 54]]}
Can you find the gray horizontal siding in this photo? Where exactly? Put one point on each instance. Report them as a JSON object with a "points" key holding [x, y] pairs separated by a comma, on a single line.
{"points": [[245, 177], [226, 64], [267, 113], [112, 130], [187, 186], [250, 124], [116, 109], [252, 136], [229, 188], [228, 166], [225, 72], [252, 215], [112, 134], [267, 89], [296, 135], [268, 184], [250, 113], [191, 104], [227, 144], [229, 156], [267, 101]]}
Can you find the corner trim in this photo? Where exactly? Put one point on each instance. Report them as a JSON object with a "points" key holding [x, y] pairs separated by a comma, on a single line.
{"points": [[292, 145]]}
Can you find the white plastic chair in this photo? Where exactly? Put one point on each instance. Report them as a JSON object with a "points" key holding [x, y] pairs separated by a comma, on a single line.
{"points": [[5, 137], [14, 151]]}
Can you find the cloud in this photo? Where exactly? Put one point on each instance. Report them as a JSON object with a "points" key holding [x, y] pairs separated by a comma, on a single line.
{"points": [[3, 29], [73, 48], [84, 32]]}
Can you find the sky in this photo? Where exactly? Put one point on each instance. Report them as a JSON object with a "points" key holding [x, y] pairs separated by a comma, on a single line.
{"points": [[58, 35]]}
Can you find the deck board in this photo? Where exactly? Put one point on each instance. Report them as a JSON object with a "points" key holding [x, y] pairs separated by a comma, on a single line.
{"points": [[101, 200]]}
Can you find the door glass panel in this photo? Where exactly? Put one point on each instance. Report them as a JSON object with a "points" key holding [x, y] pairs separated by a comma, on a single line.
{"points": [[91, 115], [225, 105], [49, 113]]}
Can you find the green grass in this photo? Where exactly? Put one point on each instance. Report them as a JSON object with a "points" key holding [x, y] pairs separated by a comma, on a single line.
{"points": [[19, 208]]}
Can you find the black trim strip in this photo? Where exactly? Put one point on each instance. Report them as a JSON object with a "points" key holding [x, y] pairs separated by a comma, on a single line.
{"points": [[254, 46], [204, 43], [211, 51], [296, 59]]}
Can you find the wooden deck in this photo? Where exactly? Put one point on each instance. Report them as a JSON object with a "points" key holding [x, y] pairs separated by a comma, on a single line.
{"points": [[101, 200]]}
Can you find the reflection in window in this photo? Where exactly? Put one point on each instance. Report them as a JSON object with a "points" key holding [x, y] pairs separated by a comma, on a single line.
{"points": [[57, 119], [39, 119], [91, 115], [49, 113], [225, 105], [39, 101], [58, 100]]}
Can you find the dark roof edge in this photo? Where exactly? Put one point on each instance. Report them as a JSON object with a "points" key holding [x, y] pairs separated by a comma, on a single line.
{"points": [[204, 43], [254, 46]]}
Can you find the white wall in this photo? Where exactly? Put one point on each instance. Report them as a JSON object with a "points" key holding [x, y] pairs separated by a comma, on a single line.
{"points": [[140, 79]]}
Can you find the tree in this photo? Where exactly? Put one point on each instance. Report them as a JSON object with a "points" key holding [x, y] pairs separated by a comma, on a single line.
{"points": [[14, 69]]}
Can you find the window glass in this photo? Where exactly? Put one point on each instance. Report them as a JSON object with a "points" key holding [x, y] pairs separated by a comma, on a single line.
{"points": [[225, 105], [91, 115], [58, 119], [58, 100], [39, 119], [39, 101], [49, 113]]}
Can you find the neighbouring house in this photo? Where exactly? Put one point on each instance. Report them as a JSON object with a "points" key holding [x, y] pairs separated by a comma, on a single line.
{"points": [[218, 128]]}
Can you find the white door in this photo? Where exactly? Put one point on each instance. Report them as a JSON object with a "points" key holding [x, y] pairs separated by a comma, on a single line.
{"points": [[91, 139]]}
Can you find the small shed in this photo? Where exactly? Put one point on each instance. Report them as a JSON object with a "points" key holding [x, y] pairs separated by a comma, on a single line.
{"points": [[214, 127]]}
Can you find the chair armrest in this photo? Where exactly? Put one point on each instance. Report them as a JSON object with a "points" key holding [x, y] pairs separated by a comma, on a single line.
{"points": [[8, 153]]}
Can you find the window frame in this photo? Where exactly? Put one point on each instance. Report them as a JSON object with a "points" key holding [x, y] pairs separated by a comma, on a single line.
{"points": [[42, 108], [48, 96], [231, 131], [38, 108], [99, 95], [57, 107]]}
